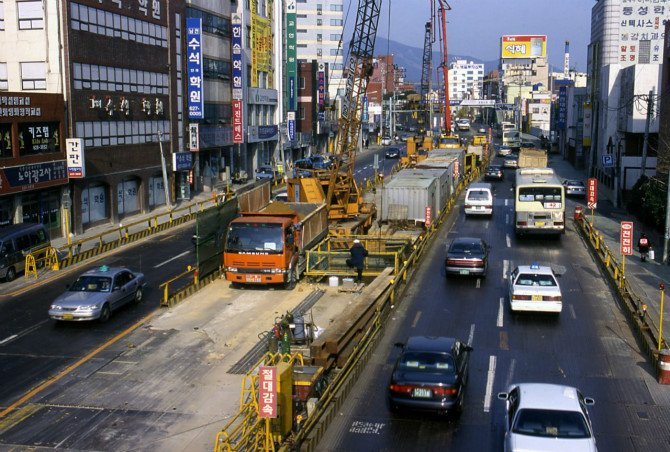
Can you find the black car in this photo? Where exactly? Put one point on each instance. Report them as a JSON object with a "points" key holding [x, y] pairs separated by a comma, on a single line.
{"points": [[392, 152], [493, 172], [467, 256], [430, 375]]}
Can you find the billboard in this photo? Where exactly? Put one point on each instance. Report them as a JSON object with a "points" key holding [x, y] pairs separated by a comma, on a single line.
{"points": [[524, 46], [196, 104], [291, 55], [641, 31], [238, 89]]}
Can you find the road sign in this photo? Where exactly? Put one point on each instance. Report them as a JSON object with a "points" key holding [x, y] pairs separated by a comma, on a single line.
{"points": [[592, 200], [608, 161], [267, 391], [627, 237], [429, 216]]}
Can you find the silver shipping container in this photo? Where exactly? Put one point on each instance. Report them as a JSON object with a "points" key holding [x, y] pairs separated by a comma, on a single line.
{"points": [[444, 181], [458, 153], [405, 198], [449, 163]]}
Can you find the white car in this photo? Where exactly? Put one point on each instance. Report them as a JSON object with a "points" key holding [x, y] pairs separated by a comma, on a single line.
{"points": [[386, 141], [547, 417], [534, 288]]}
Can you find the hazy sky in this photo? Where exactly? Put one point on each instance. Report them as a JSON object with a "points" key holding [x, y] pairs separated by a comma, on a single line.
{"points": [[475, 26]]}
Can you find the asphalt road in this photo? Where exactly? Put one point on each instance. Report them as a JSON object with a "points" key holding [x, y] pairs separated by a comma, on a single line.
{"points": [[589, 346]]}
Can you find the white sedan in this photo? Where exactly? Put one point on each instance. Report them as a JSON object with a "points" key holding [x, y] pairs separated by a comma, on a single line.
{"points": [[534, 288], [547, 417]]}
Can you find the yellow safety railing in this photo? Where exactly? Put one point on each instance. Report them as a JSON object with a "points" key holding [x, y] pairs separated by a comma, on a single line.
{"points": [[171, 283]]}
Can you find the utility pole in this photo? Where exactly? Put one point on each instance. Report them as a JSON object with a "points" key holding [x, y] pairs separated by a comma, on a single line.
{"points": [[168, 203], [650, 113]]}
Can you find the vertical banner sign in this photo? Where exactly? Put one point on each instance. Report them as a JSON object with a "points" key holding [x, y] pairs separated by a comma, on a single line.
{"points": [[194, 137], [76, 169], [290, 117], [261, 42], [429, 216], [267, 392], [592, 202], [194, 68], [238, 91], [238, 136], [586, 134], [364, 115], [562, 107], [626, 237], [291, 58], [321, 83]]}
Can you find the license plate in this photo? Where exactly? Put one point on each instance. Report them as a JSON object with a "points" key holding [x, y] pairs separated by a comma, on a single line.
{"points": [[464, 272], [420, 392], [536, 297], [68, 317], [253, 278], [540, 223]]}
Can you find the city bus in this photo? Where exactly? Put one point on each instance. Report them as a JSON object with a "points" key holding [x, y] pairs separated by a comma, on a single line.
{"points": [[539, 202], [504, 127]]}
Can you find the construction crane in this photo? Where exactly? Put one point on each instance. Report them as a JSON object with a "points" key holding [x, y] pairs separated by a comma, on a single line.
{"points": [[425, 73], [337, 187], [444, 64]]}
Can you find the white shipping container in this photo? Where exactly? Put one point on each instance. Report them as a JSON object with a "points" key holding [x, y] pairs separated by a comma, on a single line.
{"points": [[406, 198], [449, 163], [444, 178]]}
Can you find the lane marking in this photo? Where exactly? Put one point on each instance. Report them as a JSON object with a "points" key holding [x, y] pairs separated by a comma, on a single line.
{"points": [[172, 258], [508, 240], [506, 199], [416, 319], [12, 337], [471, 337], [573, 314], [505, 268], [506, 218], [479, 283], [504, 341], [489, 383], [499, 322], [66, 371], [24, 332]]}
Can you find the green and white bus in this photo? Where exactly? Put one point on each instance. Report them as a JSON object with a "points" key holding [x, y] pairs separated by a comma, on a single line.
{"points": [[539, 202]]}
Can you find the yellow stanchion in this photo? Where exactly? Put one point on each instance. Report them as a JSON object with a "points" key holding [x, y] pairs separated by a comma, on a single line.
{"points": [[660, 323]]}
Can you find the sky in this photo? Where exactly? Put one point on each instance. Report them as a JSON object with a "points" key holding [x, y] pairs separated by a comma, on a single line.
{"points": [[475, 27]]}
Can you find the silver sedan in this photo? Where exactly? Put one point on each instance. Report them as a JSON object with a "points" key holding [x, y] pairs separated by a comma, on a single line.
{"points": [[574, 187], [96, 293]]}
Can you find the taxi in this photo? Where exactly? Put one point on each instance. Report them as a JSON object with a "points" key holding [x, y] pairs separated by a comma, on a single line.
{"points": [[534, 288]]}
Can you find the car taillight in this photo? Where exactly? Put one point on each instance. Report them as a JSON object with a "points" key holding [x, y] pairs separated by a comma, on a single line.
{"points": [[520, 297], [468, 206], [406, 389], [558, 298], [444, 391], [521, 223]]}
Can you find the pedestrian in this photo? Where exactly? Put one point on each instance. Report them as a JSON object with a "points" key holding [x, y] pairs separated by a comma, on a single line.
{"points": [[357, 261], [643, 246]]}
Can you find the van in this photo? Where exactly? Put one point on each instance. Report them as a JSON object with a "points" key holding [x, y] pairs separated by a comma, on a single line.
{"points": [[18, 240], [479, 199]]}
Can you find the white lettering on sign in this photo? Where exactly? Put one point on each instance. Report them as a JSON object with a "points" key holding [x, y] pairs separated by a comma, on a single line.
{"points": [[626, 237]]}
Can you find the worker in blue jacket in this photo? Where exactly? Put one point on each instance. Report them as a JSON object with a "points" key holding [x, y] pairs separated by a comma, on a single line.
{"points": [[357, 261]]}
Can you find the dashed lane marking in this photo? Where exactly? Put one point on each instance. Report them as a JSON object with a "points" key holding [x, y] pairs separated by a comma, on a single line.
{"points": [[499, 322], [416, 319], [489, 383], [171, 259], [508, 240], [471, 337]]}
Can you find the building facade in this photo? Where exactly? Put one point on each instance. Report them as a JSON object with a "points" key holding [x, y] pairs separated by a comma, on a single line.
{"points": [[466, 80]]}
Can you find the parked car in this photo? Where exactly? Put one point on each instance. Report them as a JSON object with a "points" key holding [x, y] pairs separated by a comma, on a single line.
{"points": [[430, 375], [265, 172], [534, 288], [540, 416], [303, 168], [386, 141], [467, 256], [320, 162], [511, 161], [494, 172], [392, 152], [98, 292], [574, 187]]}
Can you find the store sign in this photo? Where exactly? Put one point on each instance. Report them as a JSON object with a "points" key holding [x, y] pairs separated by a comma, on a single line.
{"points": [[267, 392], [291, 58], [642, 24], [194, 77], [290, 118], [238, 134], [238, 88], [76, 168], [321, 86], [627, 237], [262, 133], [562, 108], [592, 202], [16, 179], [524, 46], [182, 161], [429, 216], [194, 137], [586, 134]]}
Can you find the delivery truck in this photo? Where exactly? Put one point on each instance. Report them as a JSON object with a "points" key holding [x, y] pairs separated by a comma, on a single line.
{"points": [[532, 158], [269, 246]]}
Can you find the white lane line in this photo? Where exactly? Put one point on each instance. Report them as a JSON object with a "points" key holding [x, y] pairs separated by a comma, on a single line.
{"points": [[489, 384], [171, 259], [506, 218], [471, 337], [416, 319], [508, 240], [499, 322], [573, 314], [7, 339], [506, 202], [479, 283], [505, 268]]}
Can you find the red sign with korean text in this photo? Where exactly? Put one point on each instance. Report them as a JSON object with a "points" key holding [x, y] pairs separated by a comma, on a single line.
{"points": [[592, 200], [627, 237], [238, 134], [267, 392], [429, 216]]}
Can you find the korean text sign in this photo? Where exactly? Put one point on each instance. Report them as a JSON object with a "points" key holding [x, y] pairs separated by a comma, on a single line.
{"points": [[194, 68], [267, 392], [627, 237], [593, 194]]}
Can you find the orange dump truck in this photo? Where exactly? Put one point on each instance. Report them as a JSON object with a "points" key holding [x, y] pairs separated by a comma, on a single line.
{"points": [[269, 246]]}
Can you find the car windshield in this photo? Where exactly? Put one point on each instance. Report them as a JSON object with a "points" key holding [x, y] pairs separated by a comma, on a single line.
{"points": [[427, 362], [551, 423], [254, 237], [466, 247], [92, 284], [448, 140], [527, 279]]}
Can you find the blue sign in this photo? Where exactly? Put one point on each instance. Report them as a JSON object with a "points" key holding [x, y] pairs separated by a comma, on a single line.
{"points": [[291, 93], [238, 91], [608, 161], [364, 116], [562, 108], [322, 116], [33, 176], [194, 75], [291, 129], [182, 161]]}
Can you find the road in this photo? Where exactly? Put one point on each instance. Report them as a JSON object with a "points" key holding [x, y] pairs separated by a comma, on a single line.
{"points": [[589, 346]]}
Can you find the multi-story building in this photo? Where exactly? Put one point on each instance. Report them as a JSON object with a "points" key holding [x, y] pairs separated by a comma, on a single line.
{"points": [[466, 80], [626, 39]]}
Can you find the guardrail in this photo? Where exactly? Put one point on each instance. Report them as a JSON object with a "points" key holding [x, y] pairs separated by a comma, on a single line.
{"points": [[648, 327]]}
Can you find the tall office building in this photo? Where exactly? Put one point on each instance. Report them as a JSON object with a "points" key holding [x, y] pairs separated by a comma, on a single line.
{"points": [[466, 80]]}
